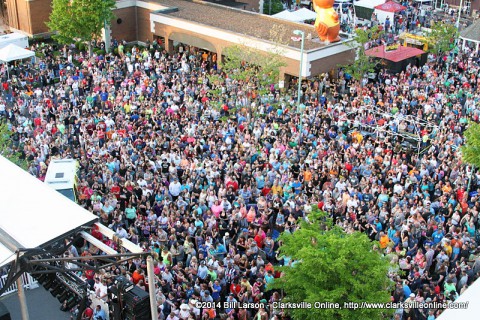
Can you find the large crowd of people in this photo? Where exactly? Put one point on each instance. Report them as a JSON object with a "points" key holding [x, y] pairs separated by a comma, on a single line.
{"points": [[208, 187]]}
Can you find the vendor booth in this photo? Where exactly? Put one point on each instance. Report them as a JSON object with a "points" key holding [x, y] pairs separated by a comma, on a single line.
{"points": [[13, 52], [396, 57], [364, 8], [388, 10]]}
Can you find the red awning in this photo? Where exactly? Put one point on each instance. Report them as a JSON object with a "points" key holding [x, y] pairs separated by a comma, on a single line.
{"points": [[400, 54], [390, 6]]}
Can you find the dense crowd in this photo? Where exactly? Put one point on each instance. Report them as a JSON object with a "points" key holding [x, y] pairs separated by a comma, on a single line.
{"points": [[208, 188]]}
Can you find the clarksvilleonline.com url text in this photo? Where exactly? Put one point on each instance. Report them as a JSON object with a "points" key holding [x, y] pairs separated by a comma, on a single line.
{"points": [[369, 305]]}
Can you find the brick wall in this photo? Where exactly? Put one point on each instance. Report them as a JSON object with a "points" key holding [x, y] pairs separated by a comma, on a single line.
{"points": [[317, 67], [144, 32], [331, 62], [127, 28], [40, 13]]}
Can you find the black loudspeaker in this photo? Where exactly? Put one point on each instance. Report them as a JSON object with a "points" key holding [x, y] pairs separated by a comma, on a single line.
{"points": [[137, 303], [4, 314], [62, 296]]}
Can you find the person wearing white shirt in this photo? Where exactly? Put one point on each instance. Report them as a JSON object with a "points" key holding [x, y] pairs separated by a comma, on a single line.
{"points": [[174, 189], [121, 233]]}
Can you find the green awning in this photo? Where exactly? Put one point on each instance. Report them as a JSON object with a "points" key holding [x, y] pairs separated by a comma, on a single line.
{"points": [[364, 13]]}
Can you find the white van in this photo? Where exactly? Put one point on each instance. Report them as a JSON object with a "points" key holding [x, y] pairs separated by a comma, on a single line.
{"points": [[62, 176]]}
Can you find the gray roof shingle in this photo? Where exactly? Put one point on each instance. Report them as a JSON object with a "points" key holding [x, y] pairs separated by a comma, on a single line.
{"points": [[472, 32]]}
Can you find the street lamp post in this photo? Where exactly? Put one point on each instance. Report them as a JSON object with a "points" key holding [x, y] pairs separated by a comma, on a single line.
{"points": [[106, 29], [299, 92], [459, 15], [300, 33]]}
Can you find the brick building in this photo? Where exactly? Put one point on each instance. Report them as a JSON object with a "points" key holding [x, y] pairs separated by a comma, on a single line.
{"points": [[205, 25]]}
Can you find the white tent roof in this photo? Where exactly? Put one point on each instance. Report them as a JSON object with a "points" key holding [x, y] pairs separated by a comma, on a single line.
{"points": [[13, 52], [305, 14], [468, 312], [285, 15], [32, 214], [296, 16], [369, 3]]}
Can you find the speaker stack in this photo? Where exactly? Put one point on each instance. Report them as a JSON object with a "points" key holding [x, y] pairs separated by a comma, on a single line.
{"points": [[135, 300]]}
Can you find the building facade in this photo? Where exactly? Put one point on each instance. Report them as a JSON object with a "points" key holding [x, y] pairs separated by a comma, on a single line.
{"points": [[207, 26]]}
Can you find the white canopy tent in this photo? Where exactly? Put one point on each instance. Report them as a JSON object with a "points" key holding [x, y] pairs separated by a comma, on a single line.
{"points": [[32, 214], [368, 3], [13, 52], [305, 14], [296, 16]]}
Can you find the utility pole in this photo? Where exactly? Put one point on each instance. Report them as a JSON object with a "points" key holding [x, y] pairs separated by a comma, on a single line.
{"points": [[23, 299]]}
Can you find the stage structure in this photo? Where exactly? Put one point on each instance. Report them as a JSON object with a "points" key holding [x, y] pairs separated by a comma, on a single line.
{"points": [[36, 235]]}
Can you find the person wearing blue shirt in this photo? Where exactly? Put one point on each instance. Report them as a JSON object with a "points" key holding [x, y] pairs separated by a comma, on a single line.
{"points": [[99, 314], [437, 236], [297, 186], [406, 290], [220, 250], [216, 290], [260, 181], [245, 194]]}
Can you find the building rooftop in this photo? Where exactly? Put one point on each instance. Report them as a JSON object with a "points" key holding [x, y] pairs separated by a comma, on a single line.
{"points": [[472, 32], [242, 22]]}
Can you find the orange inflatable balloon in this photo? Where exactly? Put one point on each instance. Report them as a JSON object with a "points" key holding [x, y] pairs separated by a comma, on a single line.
{"points": [[326, 23]]}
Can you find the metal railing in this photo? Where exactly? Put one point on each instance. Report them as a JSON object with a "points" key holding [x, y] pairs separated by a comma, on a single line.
{"points": [[28, 283]]}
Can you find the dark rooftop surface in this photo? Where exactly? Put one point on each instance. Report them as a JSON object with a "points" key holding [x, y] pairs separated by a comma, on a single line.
{"points": [[242, 22], [229, 3]]}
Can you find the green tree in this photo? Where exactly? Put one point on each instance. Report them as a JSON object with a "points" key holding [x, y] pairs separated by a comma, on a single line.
{"points": [[332, 266], [250, 68], [442, 37], [363, 64], [79, 20], [7, 148], [471, 149], [272, 7]]}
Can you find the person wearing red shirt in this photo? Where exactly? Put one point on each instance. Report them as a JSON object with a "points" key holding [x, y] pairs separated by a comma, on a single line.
{"points": [[87, 314], [266, 190], [115, 190], [137, 276], [232, 184]]}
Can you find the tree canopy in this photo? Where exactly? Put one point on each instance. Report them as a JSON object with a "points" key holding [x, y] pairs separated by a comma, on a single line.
{"points": [[83, 20], [363, 64], [249, 67], [332, 266], [442, 37], [471, 149], [8, 148], [272, 7]]}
